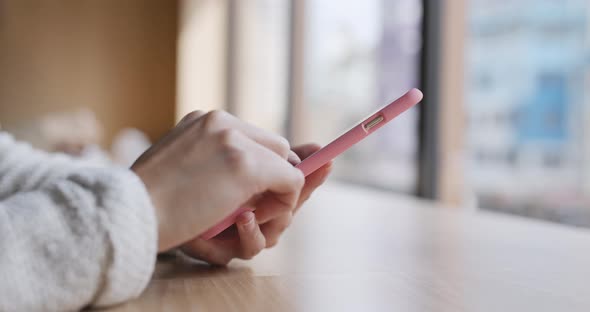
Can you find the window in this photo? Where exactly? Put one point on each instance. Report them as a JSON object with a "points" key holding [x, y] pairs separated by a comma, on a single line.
{"points": [[358, 56], [259, 63], [530, 63]]}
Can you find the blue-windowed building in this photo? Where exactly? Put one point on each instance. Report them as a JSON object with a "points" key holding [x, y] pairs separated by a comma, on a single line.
{"points": [[527, 63]]}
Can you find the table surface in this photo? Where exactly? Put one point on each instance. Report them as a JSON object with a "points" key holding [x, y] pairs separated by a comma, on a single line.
{"points": [[356, 249]]}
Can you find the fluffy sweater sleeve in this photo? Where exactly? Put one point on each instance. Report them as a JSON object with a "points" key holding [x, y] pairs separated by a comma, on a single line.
{"points": [[71, 235]]}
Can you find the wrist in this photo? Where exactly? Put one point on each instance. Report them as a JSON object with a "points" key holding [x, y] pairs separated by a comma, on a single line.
{"points": [[157, 203]]}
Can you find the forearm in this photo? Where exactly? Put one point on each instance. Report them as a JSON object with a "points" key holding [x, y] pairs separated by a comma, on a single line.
{"points": [[88, 239]]}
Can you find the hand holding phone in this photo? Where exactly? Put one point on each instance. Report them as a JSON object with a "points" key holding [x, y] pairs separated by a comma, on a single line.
{"points": [[341, 144]]}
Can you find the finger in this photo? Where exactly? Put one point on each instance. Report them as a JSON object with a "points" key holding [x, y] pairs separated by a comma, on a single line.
{"points": [[180, 126], [293, 158], [315, 179], [312, 182], [273, 229], [279, 182], [190, 117], [251, 238], [219, 120], [213, 251], [306, 150]]}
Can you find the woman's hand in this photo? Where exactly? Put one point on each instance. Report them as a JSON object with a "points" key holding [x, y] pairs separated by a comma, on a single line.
{"points": [[209, 165], [253, 231]]}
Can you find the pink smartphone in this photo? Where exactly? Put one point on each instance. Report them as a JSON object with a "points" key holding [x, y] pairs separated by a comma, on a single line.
{"points": [[337, 147]]}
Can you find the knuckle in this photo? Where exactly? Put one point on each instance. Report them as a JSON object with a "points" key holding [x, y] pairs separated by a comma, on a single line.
{"points": [[192, 116], [217, 114], [213, 119], [228, 138], [283, 146], [236, 158]]}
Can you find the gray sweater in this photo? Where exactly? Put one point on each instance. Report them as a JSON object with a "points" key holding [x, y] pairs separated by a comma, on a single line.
{"points": [[72, 235]]}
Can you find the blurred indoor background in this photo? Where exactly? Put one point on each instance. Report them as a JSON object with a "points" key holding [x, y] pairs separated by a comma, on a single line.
{"points": [[504, 124]]}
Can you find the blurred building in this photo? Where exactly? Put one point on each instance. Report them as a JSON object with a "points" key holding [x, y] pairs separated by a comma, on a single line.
{"points": [[527, 106]]}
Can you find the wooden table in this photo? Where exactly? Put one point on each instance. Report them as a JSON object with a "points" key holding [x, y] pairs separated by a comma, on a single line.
{"points": [[354, 249]]}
